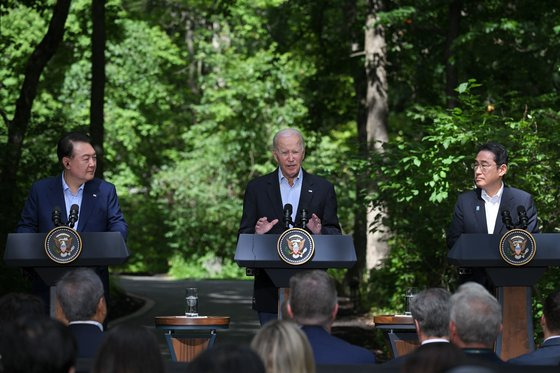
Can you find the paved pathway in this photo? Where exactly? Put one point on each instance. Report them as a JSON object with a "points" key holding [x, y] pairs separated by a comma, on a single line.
{"points": [[166, 297]]}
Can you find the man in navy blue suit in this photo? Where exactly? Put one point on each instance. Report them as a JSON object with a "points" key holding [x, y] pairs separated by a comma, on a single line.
{"points": [[98, 205], [549, 352], [480, 210], [264, 201], [430, 312], [313, 304], [80, 304]]}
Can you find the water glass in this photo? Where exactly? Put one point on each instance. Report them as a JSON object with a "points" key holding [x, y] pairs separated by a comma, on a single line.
{"points": [[191, 298]]}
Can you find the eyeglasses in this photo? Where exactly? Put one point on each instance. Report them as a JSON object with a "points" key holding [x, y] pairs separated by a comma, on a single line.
{"points": [[484, 167]]}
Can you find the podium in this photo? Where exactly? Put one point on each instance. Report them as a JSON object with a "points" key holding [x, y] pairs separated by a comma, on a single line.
{"points": [[259, 251], [513, 283], [26, 250]]}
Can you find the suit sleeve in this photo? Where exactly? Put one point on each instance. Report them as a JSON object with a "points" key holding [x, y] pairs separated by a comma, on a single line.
{"points": [[249, 216], [329, 221], [29, 221], [533, 226], [457, 225], [115, 218]]}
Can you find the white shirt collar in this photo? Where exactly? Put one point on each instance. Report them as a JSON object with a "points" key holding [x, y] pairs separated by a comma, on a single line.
{"points": [[495, 198], [91, 322]]}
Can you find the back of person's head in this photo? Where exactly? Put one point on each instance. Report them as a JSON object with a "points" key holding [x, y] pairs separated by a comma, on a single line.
{"points": [[129, 349], [36, 344], [16, 305], [551, 311], [227, 358], [499, 151], [434, 358], [477, 315], [284, 348], [430, 308], [65, 147], [312, 297], [78, 293]]}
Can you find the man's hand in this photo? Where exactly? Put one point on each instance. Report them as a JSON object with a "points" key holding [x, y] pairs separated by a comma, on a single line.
{"points": [[263, 225], [314, 224]]}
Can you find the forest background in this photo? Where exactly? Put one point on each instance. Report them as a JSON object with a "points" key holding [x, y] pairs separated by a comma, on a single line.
{"points": [[393, 98]]}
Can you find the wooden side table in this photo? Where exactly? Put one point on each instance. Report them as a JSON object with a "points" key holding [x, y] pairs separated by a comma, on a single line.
{"points": [[188, 336], [400, 332]]}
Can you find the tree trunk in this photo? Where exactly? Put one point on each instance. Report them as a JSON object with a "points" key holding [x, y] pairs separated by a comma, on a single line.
{"points": [[96, 113], [451, 80], [17, 127], [376, 122]]}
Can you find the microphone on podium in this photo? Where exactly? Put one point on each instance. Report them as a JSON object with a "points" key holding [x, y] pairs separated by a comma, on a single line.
{"points": [[57, 216], [287, 215], [304, 218], [506, 219], [73, 216], [523, 219]]}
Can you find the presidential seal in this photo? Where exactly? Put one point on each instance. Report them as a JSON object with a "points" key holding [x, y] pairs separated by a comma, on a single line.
{"points": [[518, 247], [295, 246], [63, 245]]}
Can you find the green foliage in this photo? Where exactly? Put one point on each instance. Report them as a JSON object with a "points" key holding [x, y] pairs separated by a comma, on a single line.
{"points": [[418, 181], [205, 266]]}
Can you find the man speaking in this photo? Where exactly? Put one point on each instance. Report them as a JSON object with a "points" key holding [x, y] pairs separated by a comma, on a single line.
{"points": [[266, 208], [75, 196]]}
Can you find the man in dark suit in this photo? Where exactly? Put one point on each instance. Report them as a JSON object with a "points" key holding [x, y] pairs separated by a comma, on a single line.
{"points": [[313, 305], [475, 322], [264, 201], [81, 305], [98, 205], [481, 210], [430, 312], [549, 352]]}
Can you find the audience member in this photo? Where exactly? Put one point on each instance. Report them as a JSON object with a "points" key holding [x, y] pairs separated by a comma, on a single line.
{"points": [[80, 303], [284, 348], [37, 344], [475, 322], [129, 349], [313, 304], [227, 358], [430, 312], [549, 352], [16, 305], [434, 358]]}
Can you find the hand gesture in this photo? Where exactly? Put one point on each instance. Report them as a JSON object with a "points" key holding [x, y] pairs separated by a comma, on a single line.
{"points": [[263, 225]]}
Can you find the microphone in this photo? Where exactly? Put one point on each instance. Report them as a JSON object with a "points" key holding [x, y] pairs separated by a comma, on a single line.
{"points": [[73, 216], [304, 218], [56, 216], [523, 219], [287, 215], [506, 219]]}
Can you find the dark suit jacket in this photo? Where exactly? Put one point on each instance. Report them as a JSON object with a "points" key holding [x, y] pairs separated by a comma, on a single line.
{"points": [[330, 350], [483, 355], [100, 212], [88, 337], [547, 354], [399, 362], [470, 215], [263, 198]]}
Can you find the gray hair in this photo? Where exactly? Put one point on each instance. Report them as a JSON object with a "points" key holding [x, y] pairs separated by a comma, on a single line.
{"points": [[476, 313], [312, 297], [285, 133], [431, 308], [78, 293]]}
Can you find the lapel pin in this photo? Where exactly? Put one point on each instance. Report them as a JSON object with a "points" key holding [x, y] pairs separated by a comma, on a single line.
{"points": [[477, 208], [94, 195], [310, 191]]}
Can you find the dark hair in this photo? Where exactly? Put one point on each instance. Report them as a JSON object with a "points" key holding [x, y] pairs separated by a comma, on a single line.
{"points": [[65, 147], [431, 309], [500, 153], [227, 358], [129, 349], [551, 311], [36, 344], [16, 305]]}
